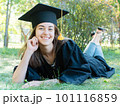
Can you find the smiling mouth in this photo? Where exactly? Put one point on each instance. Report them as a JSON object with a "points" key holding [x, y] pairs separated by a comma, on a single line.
{"points": [[45, 38]]}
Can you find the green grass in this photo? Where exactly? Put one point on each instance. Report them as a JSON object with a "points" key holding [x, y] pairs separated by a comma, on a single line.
{"points": [[9, 58]]}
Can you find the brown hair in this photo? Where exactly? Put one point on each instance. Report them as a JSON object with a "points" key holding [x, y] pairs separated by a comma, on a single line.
{"points": [[36, 59]]}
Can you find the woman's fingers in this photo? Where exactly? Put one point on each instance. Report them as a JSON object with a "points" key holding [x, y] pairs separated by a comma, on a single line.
{"points": [[34, 41], [32, 83], [32, 44], [38, 83]]}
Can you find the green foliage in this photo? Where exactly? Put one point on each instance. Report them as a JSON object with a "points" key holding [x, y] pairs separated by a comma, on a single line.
{"points": [[8, 52], [84, 17]]}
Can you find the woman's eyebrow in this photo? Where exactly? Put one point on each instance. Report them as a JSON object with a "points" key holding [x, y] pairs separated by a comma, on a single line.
{"points": [[50, 26], [43, 26]]}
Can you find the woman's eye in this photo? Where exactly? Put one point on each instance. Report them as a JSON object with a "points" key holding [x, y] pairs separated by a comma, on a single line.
{"points": [[50, 29], [41, 28]]}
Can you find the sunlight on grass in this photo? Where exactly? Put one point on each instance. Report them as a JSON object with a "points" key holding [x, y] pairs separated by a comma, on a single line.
{"points": [[12, 45]]}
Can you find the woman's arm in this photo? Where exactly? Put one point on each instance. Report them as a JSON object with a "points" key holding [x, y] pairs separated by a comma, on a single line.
{"points": [[20, 72], [38, 83]]}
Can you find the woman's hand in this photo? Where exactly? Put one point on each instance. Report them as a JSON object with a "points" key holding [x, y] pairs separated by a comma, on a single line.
{"points": [[32, 44], [32, 83], [38, 83]]}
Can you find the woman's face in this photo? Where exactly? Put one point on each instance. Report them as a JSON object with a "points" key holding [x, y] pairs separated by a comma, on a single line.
{"points": [[45, 33]]}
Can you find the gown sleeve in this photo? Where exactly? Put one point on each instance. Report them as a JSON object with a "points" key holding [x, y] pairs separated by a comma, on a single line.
{"points": [[31, 74], [76, 68]]}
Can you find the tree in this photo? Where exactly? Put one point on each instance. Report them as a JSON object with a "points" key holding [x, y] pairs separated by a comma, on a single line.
{"points": [[6, 27], [115, 5], [2, 15], [84, 17], [8, 12], [22, 7], [118, 16], [25, 35]]}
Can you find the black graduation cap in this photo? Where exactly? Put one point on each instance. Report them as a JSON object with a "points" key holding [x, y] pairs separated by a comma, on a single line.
{"points": [[43, 13]]}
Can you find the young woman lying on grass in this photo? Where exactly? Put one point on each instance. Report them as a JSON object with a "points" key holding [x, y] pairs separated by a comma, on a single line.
{"points": [[61, 61]]}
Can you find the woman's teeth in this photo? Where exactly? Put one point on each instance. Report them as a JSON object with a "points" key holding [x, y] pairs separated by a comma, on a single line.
{"points": [[45, 37]]}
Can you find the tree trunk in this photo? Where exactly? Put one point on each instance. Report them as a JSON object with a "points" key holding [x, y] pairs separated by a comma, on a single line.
{"points": [[112, 33], [6, 27], [23, 33], [119, 31]]}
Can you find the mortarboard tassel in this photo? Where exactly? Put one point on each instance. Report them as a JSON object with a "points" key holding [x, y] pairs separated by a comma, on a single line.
{"points": [[60, 37]]}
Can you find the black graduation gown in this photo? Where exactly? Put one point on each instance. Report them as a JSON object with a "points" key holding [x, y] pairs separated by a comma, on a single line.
{"points": [[71, 66]]}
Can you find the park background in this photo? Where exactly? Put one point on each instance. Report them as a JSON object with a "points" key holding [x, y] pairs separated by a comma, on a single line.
{"points": [[85, 17]]}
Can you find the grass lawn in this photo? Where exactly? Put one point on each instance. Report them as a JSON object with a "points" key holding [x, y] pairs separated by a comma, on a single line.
{"points": [[9, 58]]}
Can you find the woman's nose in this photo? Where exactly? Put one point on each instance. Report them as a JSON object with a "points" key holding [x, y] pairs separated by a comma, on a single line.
{"points": [[46, 32]]}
